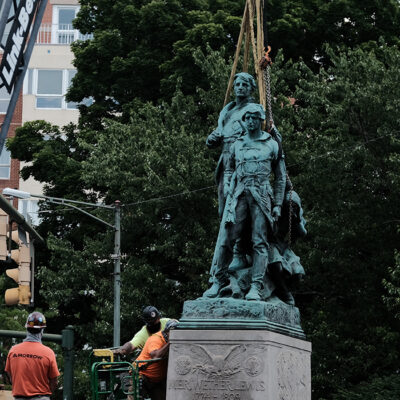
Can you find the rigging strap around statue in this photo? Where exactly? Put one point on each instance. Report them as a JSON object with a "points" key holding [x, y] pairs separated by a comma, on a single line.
{"points": [[256, 9]]}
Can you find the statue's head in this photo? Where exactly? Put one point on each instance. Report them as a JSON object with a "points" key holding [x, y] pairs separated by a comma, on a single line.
{"points": [[254, 108], [247, 78], [243, 84]]}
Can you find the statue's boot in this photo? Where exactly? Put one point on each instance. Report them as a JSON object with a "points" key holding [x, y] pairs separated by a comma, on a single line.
{"points": [[258, 272], [214, 290], [268, 287], [254, 292], [238, 263]]}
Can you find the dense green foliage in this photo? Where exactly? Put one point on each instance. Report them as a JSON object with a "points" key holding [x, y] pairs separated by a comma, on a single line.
{"points": [[384, 388], [142, 48], [341, 140], [343, 144]]}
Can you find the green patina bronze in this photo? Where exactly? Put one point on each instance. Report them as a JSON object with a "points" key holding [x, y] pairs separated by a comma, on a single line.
{"points": [[260, 217], [228, 313]]}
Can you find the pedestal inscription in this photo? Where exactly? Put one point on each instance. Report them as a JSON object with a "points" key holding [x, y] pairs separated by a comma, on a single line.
{"points": [[237, 365]]}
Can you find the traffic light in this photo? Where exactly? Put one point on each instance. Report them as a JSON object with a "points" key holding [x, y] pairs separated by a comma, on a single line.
{"points": [[21, 274], [3, 235]]}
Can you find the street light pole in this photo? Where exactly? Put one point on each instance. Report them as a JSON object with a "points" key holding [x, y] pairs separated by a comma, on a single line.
{"points": [[117, 243], [117, 273]]}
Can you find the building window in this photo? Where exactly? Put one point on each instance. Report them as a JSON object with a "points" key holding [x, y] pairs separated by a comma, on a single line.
{"points": [[4, 100], [63, 31], [71, 73], [50, 86], [5, 164], [49, 90]]}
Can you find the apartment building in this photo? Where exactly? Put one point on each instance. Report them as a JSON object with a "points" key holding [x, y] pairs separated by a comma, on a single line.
{"points": [[46, 82], [9, 168]]}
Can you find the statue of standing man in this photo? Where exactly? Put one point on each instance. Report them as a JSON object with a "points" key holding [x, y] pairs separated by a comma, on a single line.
{"points": [[252, 202], [228, 130]]}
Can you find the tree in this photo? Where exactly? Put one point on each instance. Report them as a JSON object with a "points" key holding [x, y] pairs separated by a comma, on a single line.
{"points": [[141, 49], [381, 388], [342, 144], [154, 165], [137, 45], [302, 28], [392, 285], [159, 153]]}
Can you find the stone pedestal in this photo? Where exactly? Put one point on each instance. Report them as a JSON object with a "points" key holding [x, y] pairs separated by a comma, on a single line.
{"points": [[238, 365]]}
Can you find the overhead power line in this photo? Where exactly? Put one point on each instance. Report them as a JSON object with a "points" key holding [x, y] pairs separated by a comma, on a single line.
{"points": [[189, 192]]}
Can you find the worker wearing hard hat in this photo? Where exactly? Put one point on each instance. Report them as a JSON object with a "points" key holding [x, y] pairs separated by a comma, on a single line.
{"points": [[31, 366]]}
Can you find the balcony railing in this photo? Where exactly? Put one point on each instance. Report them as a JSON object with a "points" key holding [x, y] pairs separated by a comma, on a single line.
{"points": [[59, 34]]}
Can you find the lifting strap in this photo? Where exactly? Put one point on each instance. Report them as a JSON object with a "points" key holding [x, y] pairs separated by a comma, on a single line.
{"points": [[262, 66], [254, 9]]}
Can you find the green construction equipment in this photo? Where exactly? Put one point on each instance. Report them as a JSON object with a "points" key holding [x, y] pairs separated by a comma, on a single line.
{"points": [[114, 379]]}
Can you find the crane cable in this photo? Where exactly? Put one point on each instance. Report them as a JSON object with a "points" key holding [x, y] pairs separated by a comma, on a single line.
{"points": [[265, 64]]}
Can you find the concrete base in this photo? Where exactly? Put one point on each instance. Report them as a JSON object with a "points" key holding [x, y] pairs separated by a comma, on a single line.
{"points": [[238, 365], [6, 395]]}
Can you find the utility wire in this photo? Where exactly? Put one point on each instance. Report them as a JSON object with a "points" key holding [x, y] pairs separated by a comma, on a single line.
{"points": [[288, 166], [187, 192], [330, 152], [169, 196]]}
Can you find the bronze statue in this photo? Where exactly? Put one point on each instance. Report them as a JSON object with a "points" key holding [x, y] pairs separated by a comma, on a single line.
{"points": [[252, 219]]}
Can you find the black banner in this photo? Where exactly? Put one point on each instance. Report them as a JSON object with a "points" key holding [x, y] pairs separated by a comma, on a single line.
{"points": [[15, 45]]}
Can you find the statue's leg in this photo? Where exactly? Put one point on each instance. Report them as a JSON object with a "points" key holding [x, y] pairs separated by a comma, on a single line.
{"points": [[221, 259], [223, 254], [260, 251], [221, 197], [218, 271]]}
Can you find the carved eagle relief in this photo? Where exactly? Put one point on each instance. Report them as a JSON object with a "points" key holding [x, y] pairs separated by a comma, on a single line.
{"points": [[218, 365]]}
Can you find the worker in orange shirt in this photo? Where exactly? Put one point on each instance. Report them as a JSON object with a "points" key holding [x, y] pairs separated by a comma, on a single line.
{"points": [[31, 366], [154, 375]]}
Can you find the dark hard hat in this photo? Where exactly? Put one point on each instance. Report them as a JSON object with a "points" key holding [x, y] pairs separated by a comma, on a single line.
{"points": [[171, 324], [36, 320], [150, 314]]}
